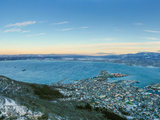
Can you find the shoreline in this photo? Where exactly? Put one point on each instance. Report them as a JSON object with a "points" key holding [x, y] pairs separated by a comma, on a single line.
{"points": [[121, 97], [114, 100], [105, 61]]}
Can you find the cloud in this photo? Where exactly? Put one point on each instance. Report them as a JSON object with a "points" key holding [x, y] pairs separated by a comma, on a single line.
{"points": [[83, 27], [152, 31], [104, 53], [103, 39], [108, 39], [152, 38], [66, 29], [16, 30], [89, 48], [69, 29], [42, 21], [61, 23], [115, 48], [126, 44], [21, 24], [138, 24], [36, 35]]}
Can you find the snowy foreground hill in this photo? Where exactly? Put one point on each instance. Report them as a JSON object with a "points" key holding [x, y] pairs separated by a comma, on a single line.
{"points": [[26, 101], [9, 109]]}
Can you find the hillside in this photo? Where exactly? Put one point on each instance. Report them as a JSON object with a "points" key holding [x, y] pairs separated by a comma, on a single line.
{"points": [[26, 101], [142, 58]]}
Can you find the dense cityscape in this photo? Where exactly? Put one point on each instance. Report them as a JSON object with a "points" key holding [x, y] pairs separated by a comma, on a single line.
{"points": [[121, 97]]}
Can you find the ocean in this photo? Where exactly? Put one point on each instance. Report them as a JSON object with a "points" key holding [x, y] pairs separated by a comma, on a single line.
{"points": [[49, 72]]}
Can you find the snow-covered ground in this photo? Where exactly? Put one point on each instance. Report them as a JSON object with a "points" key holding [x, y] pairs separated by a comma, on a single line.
{"points": [[10, 109]]}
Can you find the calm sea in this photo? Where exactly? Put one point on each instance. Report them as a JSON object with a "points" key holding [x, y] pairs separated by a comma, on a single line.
{"points": [[48, 72]]}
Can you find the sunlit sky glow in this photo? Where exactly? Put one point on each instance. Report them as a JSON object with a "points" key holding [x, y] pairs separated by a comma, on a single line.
{"points": [[93, 27]]}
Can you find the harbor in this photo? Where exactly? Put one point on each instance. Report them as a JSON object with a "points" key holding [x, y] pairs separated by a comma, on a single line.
{"points": [[120, 97]]}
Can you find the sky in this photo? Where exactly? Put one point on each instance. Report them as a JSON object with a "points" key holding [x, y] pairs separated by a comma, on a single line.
{"points": [[92, 27]]}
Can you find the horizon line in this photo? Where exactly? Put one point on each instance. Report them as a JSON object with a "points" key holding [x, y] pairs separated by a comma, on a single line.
{"points": [[96, 54]]}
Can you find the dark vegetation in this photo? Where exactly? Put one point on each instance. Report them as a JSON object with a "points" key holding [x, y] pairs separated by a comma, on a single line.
{"points": [[106, 113], [124, 112], [46, 92], [37, 97], [86, 106]]}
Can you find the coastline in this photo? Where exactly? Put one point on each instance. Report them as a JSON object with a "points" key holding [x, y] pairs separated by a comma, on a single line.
{"points": [[111, 100], [120, 97]]}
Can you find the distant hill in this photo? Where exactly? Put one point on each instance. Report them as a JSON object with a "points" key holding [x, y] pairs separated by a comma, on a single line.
{"points": [[142, 58]]}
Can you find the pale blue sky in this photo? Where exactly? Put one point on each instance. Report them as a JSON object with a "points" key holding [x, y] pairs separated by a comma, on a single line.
{"points": [[79, 26]]}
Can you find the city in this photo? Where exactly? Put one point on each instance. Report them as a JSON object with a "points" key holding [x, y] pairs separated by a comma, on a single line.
{"points": [[121, 97]]}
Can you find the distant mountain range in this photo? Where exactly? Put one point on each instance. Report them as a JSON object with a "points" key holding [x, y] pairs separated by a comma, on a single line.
{"points": [[142, 58]]}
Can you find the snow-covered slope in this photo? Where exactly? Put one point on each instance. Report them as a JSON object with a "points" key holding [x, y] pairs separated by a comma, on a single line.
{"points": [[9, 109]]}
